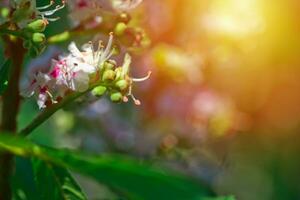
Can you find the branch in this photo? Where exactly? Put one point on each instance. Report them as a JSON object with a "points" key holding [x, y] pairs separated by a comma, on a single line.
{"points": [[10, 109], [48, 112]]}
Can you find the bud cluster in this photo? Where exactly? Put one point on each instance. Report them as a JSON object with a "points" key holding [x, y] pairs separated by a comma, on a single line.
{"points": [[34, 39], [117, 82], [24, 19]]}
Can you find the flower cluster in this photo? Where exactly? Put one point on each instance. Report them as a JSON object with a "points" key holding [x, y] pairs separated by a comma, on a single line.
{"points": [[81, 71]]}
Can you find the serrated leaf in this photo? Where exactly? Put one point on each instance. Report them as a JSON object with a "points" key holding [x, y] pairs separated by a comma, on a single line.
{"points": [[137, 180], [4, 74], [55, 182]]}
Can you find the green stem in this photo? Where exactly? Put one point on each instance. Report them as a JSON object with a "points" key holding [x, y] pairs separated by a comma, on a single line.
{"points": [[48, 112]]}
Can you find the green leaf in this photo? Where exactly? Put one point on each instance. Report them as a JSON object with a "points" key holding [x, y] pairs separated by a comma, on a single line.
{"points": [[55, 182], [134, 179], [4, 74], [22, 181]]}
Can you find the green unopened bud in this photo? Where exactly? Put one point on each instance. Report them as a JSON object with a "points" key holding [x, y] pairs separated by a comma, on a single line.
{"points": [[37, 26], [61, 37], [122, 84], [120, 28], [4, 12], [110, 64], [116, 97], [108, 75], [99, 91], [38, 38]]}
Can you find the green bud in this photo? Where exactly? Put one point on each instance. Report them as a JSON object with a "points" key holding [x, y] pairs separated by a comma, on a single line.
{"points": [[61, 37], [4, 12], [110, 64], [38, 38], [37, 26], [99, 91], [108, 75], [120, 28], [116, 97], [122, 84]]}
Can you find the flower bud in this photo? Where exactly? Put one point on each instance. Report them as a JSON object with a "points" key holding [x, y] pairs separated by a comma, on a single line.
{"points": [[108, 75], [38, 38], [99, 91], [116, 97], [4, 12], [122, 84], [37, 26], [124, 17], [110, 64], [120, 29]]}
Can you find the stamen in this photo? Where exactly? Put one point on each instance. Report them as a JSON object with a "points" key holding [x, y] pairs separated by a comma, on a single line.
{"points": [[136, 101], [52, 19], [51, 12], [51, 96], [143, 78], [46, 6], [106, 53], [125, 99]]}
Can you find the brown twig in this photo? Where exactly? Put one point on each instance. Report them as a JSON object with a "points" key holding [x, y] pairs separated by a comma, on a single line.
{"points": [[10, 108]]}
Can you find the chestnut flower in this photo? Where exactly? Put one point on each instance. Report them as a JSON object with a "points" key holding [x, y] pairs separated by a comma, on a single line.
{"points": [[78, 70]]}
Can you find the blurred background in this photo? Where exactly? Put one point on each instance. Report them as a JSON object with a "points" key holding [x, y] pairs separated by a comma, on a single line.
{"points": [[222, 104]]}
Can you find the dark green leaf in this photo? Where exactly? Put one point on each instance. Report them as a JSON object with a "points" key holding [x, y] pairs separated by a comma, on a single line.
{"points": [[4, 74], [55, 182], [134, 179], [22, 181]]}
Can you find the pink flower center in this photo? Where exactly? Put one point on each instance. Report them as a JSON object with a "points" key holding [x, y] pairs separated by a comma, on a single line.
{"points": [[55, 72], [43, 90]]}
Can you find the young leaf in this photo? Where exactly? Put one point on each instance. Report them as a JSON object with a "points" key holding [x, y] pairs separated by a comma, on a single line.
{"points": [[4, 74], [55, 182], [134, 179]]}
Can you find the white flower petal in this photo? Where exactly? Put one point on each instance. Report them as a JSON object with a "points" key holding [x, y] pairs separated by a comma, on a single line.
{"points": [[41, 100], [81, 81], [74, 50], [89, 69]]}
